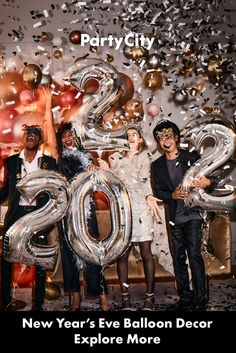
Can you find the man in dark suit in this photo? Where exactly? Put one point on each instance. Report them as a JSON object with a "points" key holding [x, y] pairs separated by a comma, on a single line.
{"points": [[17, 166], [185, 224]]}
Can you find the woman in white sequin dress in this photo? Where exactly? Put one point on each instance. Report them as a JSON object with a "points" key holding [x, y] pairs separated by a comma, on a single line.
{"points": [[133, 167]]}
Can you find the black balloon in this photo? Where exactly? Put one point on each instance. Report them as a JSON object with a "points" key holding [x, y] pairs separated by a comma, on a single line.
{"points": [[180, 97]]}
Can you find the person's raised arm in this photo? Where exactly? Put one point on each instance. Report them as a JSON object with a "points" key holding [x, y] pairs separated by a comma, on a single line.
{"points": [[49, 128]]}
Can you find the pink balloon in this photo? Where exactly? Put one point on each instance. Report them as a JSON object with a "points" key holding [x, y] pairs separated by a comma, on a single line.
{"points": [[153, 110], [27, 97], [7, 119], [28, 118]]}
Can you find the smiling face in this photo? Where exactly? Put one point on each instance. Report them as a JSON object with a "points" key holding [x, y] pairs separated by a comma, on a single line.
{"points": [[68, 139], [169, 142], [134, 139], [32, 140]]}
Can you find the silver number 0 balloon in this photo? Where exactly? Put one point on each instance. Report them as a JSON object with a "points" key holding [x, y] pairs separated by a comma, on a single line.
{"points": [[106, 251], [86, 123], [18, 246], [223, 133]]}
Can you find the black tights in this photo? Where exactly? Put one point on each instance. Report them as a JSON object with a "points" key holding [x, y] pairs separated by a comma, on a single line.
{"points": [[148, 266]]}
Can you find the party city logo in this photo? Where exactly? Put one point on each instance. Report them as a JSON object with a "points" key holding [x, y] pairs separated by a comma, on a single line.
{"points": [[130, 40]]}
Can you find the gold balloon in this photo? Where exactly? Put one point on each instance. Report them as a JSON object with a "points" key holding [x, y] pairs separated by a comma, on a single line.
{"points": [[110, 58], [44, 36], [52, 291], [208, 110], [153, 80], [217, 69], [57, 54], [135, 53], [112, 120], [133, 108], [128, 88], [32, 75], [188, 67], [214, 63]]}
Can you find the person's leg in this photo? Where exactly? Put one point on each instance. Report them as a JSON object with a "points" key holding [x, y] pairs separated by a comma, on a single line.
{"points": [[179, 261], [70, 269], [96, 283], [148, 265], [39, 294], [149, 271], [122, 271], [71, 273], [193, 234], [6, 266], [6, 275]]}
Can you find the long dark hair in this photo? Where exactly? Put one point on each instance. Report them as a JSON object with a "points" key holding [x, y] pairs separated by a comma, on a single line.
{"points": [[61, 130]]}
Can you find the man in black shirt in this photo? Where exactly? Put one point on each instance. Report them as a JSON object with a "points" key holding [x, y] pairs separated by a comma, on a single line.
{"points": [[186, 224]]}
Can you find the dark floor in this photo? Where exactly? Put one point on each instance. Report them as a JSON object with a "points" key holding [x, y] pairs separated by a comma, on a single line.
{"points": [[222, 297]]}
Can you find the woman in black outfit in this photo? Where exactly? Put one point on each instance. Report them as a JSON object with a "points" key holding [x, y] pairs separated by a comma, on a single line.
{"points": [[73, 160]]}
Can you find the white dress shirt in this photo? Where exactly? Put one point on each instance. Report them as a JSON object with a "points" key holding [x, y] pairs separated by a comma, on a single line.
{"points": [[26, 168]]}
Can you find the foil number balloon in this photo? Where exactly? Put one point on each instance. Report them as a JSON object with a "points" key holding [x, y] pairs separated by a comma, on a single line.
{"points": [[86, 123], [106, 251], [18, 246], [223, 133]]}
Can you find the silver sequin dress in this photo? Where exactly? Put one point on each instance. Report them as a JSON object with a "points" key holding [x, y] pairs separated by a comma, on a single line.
{"points": [[135, 173]]}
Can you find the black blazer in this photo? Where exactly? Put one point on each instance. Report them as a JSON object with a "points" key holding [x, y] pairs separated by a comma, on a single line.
{"points": [[161, 182], [13, 175]]}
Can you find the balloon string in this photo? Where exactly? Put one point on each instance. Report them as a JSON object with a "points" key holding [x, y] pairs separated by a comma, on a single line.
{"points": [[102, 280]]}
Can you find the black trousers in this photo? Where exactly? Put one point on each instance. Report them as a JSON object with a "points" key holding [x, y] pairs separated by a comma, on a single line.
{"points": [[6, 271], [95, 280], [186, 237], [96, 283]]}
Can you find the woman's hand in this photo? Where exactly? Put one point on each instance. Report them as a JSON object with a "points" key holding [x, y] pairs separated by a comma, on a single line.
{"points": [[103, 164], [153, 206]]}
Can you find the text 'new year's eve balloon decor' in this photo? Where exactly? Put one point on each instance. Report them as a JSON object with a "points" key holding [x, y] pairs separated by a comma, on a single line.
{"points": [[18, 244], [223, 133], [93, 136], [105, 251]]}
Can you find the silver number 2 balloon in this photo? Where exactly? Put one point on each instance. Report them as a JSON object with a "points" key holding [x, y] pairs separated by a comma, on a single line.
{"points": [[106, 251], [86, 123], [223, 134], [18, 245]]}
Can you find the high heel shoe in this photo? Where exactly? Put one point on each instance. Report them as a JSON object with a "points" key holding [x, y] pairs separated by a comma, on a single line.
{"points": [[148, 302], [125, 301], [104, 302]]}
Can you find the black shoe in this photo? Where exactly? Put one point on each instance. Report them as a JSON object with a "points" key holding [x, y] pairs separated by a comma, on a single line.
{"points": [[125, 299], [181, 305], [200, 305], [9, 307]]}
